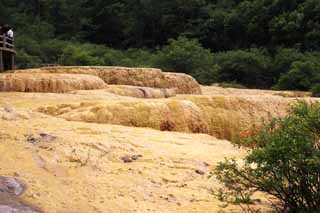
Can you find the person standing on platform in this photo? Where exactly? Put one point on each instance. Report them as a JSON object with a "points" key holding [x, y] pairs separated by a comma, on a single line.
{"points": [[10, 36]]}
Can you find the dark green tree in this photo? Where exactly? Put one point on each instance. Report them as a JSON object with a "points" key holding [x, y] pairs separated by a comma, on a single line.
{"points": [[188, 56]]}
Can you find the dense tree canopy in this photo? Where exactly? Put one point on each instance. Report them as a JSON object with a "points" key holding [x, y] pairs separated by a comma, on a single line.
{"points": [[262, 38], [218, 24]]}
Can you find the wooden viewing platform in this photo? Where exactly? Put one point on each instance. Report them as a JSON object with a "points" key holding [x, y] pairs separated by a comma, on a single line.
{"points": [[7, 53]]}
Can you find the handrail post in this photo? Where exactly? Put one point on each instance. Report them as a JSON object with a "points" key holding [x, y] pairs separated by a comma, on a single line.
{"points": [[7, 41], [1, 61], [13, 67]]}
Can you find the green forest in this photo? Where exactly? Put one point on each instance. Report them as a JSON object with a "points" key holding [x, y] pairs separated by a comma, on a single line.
{"points": [[270, 44]]}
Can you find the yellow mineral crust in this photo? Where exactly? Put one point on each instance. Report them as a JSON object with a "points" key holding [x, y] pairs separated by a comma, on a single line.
{"points": [[215, 90], [80, 145], [54, 83], [78, 167], [131, 91], [171, 115], [143, 77], [224, 117], [234, 117]]}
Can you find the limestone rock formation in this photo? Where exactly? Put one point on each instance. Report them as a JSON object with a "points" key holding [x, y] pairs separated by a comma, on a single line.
{"points": [[48, 83], [73, 141], [234, 117], [130, 91], [142, 77], [215, 90], [182, 83], [224, 117], [171, 115], [83, 171], [13, 114]]}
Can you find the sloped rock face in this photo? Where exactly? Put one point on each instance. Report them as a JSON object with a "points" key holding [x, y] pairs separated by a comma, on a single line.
{"points": [[108, 168], [182, 83], [215, 90], [181, 116], [80, 151], [48, 83], [238, 117], [13, 114], [130, 91], [142, 77], [224, 117]]}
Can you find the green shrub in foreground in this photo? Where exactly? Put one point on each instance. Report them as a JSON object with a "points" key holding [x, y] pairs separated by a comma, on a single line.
{"points": [[284, 163]]}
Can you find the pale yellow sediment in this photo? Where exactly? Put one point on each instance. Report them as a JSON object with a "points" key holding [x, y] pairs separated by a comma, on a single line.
{"points": [[48, 83], [215, 90], [143, 77], [131, 91], [82, 170]]}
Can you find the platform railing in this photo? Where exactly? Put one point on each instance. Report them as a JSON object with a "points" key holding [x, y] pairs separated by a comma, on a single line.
{"points": [[6, 42]]}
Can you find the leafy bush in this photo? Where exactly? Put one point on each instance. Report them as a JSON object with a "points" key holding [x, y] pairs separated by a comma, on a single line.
{"points": [[253, 68], [25, 60], [301, 76], [28, 45], [284, 163], [32, 53], [51, 50], [188, 56], [76, 54], [316, 90], [250, 68], [138, 58], [231, 85], [283, 60]]}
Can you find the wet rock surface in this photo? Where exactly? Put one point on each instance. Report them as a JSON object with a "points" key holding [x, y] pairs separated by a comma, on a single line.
{"points": [[11, 186], [41, 138], [10, 191], [18, 208], [130, 158]]}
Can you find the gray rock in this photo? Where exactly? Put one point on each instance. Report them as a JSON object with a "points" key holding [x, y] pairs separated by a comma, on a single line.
{"points": [[11, 186], [136, 157], [130, 158], [47, 137], [16, 209], [200, 172], [126, 159], [10, 202]]}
